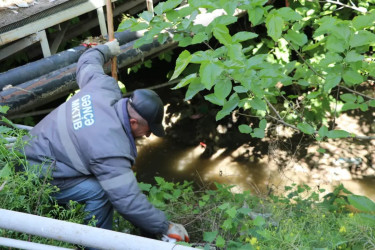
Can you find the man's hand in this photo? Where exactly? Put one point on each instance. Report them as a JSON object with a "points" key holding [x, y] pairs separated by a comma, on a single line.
{"points": [[114, 47], [178, 232]]}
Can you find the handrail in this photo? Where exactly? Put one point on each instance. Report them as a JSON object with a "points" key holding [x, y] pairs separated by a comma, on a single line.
{"points": [[79, 234]]}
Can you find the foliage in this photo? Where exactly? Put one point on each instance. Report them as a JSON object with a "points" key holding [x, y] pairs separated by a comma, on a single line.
{"points": [[24, 191], [300, 65], [299, 218]]}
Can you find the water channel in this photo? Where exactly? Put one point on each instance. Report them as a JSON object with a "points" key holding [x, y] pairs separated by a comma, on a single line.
{"points": [[175, 162]]}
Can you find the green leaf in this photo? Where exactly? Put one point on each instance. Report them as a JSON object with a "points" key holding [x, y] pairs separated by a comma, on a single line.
{"points": [[222, 88], [321, 150], [353, 56], [172, 15], [246, 129], [185, 81], [263, 124], [209, 72], [244, 210], [240, 89], [331, 81], [209, 236], [274, 26], [303, 82], [221, 33], [5, 171], [243, 36], [352, 77], [289, 14], [126, 24], [350, 106], [306, 128], [220, 242], [201, 56], [4, 129], [166, 6], [139, 26], [258, 104], [144, 186], [362, 37], [348, 97], [327, 24], [231, 212], [313, 95], [182, 61], [337, 134], [371, 103], [228, 107], [298, 38], [361, 22], [363, 107], [4, 109], [146, 15], [235, 52], [199, 38], [255, 15], [323, 131], [365, 219], [362, 203], [214, 99], [224, 206], [258, 133], [259, 221], [336, 44], [194, 87], [331, 58]]}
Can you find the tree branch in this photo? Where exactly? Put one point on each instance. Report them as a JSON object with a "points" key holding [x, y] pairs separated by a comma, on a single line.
{"points": [[358, 93], [322, 76], [360, 9], [273, 108]]}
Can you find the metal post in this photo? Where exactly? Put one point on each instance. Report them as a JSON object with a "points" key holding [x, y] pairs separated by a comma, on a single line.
{"points": [[101, 18], [79, 234], [44, 43], [27, 245]]}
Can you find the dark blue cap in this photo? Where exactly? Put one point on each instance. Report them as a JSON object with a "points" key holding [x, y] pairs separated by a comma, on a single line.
{"points": [[149, 105]]}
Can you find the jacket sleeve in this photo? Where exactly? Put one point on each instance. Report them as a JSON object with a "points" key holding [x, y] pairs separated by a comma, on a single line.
{"points": [[118, 181], [90, 65]]}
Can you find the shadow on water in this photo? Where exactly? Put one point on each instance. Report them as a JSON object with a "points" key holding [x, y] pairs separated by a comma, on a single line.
{"points": [[176, 162]]}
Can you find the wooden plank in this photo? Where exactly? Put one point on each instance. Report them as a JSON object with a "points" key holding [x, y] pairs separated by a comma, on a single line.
{"points": [[49, 21], [17, 46]]}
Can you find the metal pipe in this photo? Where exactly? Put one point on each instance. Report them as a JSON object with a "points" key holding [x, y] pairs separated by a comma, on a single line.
{"points": [[60, 60], [61, 82], [79, 234], [27, 245]]}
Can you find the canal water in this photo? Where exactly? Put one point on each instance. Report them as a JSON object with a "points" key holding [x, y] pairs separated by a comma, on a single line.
{"points": [[175, 162]]}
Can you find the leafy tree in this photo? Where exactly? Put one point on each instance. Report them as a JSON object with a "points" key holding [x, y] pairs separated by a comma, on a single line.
{"points": [[298, 63]]}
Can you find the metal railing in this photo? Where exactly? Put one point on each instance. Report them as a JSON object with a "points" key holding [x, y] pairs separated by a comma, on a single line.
{"points": [[73, 233]]}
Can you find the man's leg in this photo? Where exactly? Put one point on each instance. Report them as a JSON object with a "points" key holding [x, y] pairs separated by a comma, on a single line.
{"points": [[90, 193]]}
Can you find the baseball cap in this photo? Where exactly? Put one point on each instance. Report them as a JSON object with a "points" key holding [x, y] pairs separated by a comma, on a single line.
{"points": [[149, 105]]}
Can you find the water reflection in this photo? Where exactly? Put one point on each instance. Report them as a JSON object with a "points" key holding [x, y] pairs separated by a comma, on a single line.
{"points": [[174, 162]]}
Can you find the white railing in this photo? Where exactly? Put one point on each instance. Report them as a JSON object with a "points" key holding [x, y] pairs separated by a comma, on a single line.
{"points": [[74, 233]]}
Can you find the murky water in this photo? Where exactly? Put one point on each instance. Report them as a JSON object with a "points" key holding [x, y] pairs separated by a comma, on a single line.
{"points": [[165, 158]]}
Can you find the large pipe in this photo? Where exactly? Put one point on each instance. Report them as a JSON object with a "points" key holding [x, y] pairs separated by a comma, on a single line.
{"points": [[60, 60], [79, 234], [61, 82], [20, 244]]}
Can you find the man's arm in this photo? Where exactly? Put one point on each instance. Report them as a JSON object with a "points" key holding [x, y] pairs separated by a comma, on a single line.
{"points": [[90, 64], [121, 186]]}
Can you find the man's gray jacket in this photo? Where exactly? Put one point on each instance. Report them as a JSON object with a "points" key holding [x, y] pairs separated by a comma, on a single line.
{"points": [[89, 135]]}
